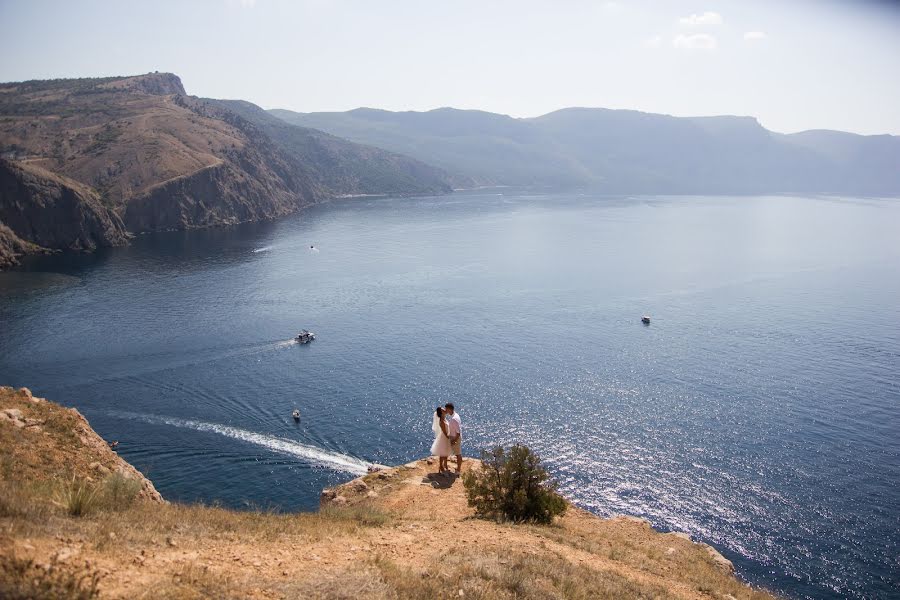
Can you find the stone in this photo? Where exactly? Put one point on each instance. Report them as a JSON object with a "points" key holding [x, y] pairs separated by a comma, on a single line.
{"points": [[339, 501], [96, 466], [719, 560], [372, 494], [12, 416], [170, 542], [65, 554], [680, 534], [25, 393], [359, 486]]}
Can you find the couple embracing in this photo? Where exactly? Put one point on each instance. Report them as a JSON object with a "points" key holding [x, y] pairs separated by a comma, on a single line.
{"points": [[447, 429]]}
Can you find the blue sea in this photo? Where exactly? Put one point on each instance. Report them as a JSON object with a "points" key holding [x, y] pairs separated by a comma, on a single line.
{"points": [[759, 411]]}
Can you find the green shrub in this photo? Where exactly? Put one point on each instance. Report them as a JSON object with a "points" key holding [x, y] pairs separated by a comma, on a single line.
{"points": [[513, 485]]}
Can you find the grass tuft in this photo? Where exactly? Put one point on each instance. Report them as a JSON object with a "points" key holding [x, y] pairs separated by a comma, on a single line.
{"points": [[78, 497]]}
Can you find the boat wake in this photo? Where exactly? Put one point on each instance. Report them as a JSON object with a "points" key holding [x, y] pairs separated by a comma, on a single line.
{"points": [[263, 249], [310, 454]]}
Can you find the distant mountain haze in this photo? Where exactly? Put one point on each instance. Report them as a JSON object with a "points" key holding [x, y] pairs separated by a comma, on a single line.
{"points": [[623, 151], [87, 161]]}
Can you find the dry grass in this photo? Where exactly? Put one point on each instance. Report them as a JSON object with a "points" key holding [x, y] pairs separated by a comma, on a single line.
{"points": [[24, 579], [196, 582], [79, 497], [511, 576], [688, 561]]}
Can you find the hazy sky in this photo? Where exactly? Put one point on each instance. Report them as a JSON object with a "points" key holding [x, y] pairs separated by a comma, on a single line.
{"points": [[795, 64]]}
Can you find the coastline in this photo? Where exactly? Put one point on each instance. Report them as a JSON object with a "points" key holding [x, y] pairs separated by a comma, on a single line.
{"points": [[373, 535]]}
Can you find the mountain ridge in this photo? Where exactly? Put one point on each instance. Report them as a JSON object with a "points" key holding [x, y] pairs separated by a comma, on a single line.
{"points": [[626, 151]]}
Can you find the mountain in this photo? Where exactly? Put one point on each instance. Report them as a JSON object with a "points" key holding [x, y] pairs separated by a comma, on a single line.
{"points": [[88, 161], [623, 151]]}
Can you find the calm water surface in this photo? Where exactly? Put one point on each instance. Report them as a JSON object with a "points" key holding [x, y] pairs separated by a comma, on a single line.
{"points": [[758, 412]]}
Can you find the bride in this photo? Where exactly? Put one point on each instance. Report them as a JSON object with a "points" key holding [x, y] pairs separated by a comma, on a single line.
{"points": [[441, 445]]}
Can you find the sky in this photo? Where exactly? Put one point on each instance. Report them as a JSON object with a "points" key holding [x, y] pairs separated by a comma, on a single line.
{"points": [[794, 64]]}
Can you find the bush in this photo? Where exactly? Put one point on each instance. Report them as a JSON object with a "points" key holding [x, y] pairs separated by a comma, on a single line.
{"points": [[79, 497], [119, 492], [513, 485]]}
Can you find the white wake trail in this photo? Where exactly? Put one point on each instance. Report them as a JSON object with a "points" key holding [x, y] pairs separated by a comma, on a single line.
{"points": [[310, 454]]}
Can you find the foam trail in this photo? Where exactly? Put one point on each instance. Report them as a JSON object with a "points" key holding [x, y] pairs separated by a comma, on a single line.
{"points": [[263, 249], [310, 454]]}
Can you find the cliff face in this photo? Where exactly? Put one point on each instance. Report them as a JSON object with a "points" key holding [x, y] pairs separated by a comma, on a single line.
{"points": [[12, 247], [47, 444], [53, 212], [403, 532], [216, 195], [138, 149]]}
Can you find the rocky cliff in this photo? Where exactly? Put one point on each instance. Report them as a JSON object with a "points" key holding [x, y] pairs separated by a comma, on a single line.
{"points": [[12, 247], [41, 209], [403, 532], [138, 151], [42, 444]]}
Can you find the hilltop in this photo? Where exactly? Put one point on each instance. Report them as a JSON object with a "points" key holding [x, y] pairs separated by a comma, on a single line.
{"points": [[101, 159], [625, 151], [403, 532]]}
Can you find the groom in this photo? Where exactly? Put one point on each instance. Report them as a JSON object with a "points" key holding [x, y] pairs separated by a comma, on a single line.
{"points": [[454, 431]]}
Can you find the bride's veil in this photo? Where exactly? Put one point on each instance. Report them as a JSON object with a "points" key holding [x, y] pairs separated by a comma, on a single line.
{"points": [[435, 424]]}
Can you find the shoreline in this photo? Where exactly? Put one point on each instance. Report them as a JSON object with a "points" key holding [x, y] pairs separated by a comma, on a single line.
{"points": [[373, 535]]}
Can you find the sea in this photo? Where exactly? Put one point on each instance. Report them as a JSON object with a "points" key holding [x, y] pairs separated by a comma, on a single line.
{"points": [[759, 411]]}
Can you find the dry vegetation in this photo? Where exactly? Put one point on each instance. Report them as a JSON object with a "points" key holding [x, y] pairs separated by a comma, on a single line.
{"points": [[400, 533], [109, 136]]}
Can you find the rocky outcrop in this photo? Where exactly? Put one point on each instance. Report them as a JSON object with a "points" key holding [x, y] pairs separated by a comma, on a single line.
{"points": [[159, 84], [12, 247], [48, 442], [217, 195], [47, 210]]}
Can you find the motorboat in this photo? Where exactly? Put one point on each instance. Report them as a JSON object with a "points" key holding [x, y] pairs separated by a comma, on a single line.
{"points": [[645, 320], [305, 337], [296, 414]]}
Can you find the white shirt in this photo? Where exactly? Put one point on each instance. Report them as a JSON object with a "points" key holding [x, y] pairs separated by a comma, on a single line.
{"points": [[454, 425]]}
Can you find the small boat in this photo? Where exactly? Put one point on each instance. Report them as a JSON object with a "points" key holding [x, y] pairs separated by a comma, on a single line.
{"points": [[645, 320], [296, 414], [305, 337]]}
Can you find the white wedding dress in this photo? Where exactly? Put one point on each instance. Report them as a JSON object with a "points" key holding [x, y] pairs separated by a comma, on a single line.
{"points": [[441, 445]]}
